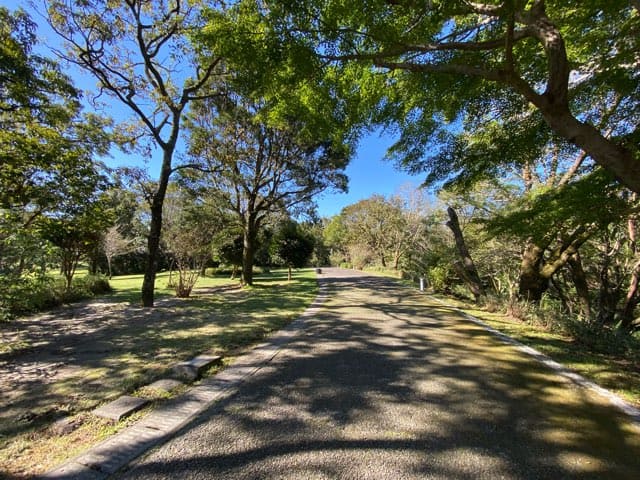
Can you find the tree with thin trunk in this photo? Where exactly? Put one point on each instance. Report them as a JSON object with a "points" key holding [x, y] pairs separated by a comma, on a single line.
{"points": [[140, 53], [292, 246], [115, 244]]}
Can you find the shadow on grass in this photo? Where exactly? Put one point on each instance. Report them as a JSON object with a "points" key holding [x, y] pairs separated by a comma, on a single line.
{"points": [[75, 359]]}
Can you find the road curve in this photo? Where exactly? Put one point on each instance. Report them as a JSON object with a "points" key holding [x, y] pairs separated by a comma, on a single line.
{"points": [[384, 384]]}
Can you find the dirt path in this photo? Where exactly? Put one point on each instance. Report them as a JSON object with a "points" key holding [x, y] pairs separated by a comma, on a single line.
{"points": [[384, 384]]}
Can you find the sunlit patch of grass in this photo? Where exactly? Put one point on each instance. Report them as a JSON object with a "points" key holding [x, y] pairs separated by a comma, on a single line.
{"points": [[616, 373], [127, 287]]}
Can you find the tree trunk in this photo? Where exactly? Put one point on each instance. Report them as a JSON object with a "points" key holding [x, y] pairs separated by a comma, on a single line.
{"points": [[608, 154], [580, 282], [468, 267], [631, 299], [554, 104], [248, 251], [289, 277], [532, 284], [155, 229]]}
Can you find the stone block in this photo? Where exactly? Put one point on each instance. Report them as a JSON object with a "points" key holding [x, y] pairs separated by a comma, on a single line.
{"points": [[192, 369], [165, 385], [120, 408]]}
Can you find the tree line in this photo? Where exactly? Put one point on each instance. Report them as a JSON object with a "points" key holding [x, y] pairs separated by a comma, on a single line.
{"points": [[523, 115]]}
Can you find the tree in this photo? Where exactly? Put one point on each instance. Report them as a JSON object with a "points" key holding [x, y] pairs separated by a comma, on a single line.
{"points": [[375, 225], [556, 222], [115, 244], [292, 246], [256, 169], [140, 54], [76, 231], [47, 150], [190, 226], [45, 144], [465, 267], [459, 66], [230, 252]]}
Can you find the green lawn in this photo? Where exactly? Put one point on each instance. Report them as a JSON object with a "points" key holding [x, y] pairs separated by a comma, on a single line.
{"points": [[127, 287]]}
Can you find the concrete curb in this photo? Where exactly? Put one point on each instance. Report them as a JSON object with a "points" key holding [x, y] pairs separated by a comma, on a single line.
{"points": [[114, 453], [576, 378]]}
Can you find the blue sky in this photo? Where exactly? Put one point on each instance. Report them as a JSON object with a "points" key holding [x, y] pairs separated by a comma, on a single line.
{"points": [[368, 173]]}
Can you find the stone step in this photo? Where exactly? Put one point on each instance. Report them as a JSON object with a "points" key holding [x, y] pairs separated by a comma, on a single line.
{"points": [[192, 369], [165, 384], [120, 408]]}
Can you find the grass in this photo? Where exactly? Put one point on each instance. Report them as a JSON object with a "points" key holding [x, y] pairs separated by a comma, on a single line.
{"points": [[127, 287], [127, 347], [616, 372]]}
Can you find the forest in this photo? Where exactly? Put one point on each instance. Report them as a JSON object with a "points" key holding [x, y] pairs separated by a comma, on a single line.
{"points": [[521, 116]]}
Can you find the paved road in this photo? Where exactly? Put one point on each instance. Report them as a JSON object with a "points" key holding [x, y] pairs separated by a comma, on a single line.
{"points": [[384, 385]]}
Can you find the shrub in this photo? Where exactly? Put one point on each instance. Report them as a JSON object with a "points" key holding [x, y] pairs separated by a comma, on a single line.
{"points": [[438, 277], [91, 285], [25, 295]]}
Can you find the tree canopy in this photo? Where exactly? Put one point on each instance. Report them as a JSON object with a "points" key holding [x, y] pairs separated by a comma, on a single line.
{"points": [[448, 70]]}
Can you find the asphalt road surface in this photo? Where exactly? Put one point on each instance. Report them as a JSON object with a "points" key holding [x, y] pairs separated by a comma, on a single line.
{"points": [[385, 384]]}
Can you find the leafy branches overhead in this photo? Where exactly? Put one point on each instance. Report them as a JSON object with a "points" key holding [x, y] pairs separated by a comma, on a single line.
{"points": [[469, 63], [31, 86]]}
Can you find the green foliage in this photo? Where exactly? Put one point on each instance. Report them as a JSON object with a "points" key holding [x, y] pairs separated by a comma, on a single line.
{"points": [[594, 200], [76, 232], [439, 278], [291, 246], [26, 295], [22, 295], [475, 90], [189, 228]]}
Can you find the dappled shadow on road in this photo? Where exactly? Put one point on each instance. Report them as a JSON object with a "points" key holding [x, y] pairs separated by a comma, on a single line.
{"points": [[378, 386]]}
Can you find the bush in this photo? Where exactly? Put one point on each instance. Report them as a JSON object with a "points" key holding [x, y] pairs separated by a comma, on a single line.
{"points": [[25, 295], [438, 278], [91, 285]]}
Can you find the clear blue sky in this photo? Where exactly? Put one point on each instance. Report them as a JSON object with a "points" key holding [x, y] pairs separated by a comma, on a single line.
{"points": [[368, 173]]}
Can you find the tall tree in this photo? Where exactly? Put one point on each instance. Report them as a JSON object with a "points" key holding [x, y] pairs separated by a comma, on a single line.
{"points": [[46, 145], [140, 53], [257, 169], [458, 65]]}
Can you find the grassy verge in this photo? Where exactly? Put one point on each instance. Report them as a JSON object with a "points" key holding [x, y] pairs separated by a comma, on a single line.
{"points": [[618, 373], [136, 346]]}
